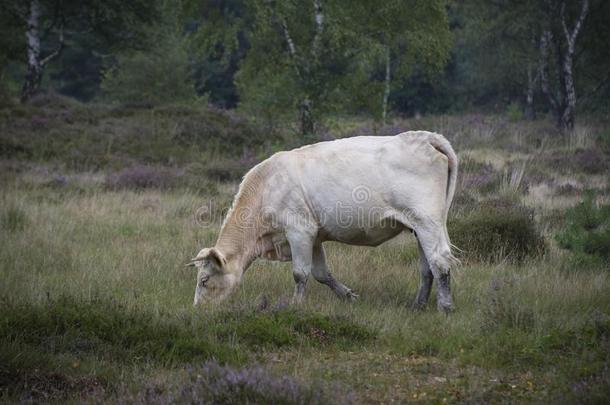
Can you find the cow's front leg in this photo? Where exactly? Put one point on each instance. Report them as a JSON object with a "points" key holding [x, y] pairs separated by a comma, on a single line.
{"points": [[301, 247]]}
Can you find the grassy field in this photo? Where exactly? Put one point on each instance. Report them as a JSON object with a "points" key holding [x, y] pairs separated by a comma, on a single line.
{"points": [[96, 303]]}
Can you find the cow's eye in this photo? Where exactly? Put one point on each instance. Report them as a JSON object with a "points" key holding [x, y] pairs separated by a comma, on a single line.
{"points": [[203, 281]]}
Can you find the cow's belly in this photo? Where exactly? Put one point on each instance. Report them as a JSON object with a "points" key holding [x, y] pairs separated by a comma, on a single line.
{"points": [[362, 235]]}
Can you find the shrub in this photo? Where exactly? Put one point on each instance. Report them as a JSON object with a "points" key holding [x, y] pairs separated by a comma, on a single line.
{"points": [[141, 177], [587, 230], [215, 384], [497, 230], [514, 113]]}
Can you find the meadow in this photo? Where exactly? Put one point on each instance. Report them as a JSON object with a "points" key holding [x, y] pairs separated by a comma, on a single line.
{"points": [[96, 303]]}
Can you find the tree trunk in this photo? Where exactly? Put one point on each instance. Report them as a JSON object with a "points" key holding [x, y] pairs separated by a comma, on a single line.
{"points": [[386, 91], [35, 62], [530, 113], [33, 76], [307, 121], [569, 105], [569, 90]]}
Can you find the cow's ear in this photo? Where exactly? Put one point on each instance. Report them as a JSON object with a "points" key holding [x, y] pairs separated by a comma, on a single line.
{"points": [[217, 258]]}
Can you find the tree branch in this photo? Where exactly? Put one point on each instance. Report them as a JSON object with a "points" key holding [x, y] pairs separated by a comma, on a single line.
{"points": [[571, 35], [292, 50]]}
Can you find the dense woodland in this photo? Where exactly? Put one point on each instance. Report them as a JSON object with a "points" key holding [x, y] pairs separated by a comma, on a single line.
{"points": [[302, 61]]}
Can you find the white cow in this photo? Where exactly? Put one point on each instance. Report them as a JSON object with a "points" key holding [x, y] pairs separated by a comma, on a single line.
{"points": [[360, 191]]}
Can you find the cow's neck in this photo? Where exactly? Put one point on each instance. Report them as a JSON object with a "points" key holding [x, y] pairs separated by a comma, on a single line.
{"points": [[240, 231], [238, 246]]}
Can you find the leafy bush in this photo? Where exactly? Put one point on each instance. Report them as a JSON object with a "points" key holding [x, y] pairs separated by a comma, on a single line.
{"points": [[497, 230], [588, 229], [215, 384]]}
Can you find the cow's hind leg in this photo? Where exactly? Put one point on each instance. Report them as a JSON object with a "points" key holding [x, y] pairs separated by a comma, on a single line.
{"points": [[425, 281], [322, 274], [436, 248]]}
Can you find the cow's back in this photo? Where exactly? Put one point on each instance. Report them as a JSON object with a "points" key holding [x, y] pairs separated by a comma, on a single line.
{"points": [[369, 178]]}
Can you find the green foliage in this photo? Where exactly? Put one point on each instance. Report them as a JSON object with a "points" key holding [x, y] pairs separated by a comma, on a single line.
{"points": [[161, 74], [514, 113], [336, 67], [587, 230], [497, 231]]}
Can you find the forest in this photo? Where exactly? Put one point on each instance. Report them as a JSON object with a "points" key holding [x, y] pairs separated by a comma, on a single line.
{"points": [[304, 62], [126, 128]]}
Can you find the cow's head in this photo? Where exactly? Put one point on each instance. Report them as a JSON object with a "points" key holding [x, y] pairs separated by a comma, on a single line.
{"points": [[214, 281]]}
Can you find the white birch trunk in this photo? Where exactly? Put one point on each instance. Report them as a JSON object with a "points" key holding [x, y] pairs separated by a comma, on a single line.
{"points": [[35, 63], [567, 116], [34, 69]]}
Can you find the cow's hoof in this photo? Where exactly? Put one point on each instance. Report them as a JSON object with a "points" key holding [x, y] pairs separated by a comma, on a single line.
{"points": [[351, 296], [419, 306]]}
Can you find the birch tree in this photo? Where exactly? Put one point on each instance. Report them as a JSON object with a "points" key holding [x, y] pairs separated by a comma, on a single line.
{"points": [[302, 45], [558, 40], [47, 25], [407, 33]]}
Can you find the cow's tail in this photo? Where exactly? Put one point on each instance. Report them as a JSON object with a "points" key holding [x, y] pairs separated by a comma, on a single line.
{"points": [[440, 143]]}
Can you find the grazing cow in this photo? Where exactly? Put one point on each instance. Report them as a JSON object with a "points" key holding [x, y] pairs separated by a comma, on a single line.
{"points": [[360, 191]]}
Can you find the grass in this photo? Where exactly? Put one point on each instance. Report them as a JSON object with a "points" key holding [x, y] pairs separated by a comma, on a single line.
{"points": [[95, 290], [96, 304]]}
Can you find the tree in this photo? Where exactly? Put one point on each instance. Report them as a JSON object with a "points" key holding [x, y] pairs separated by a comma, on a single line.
{"points": [[326, 52], [160, 73], [533, 45], [217, 32], [406, 33], [48, 25], [559, 36], [294, 43]]}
